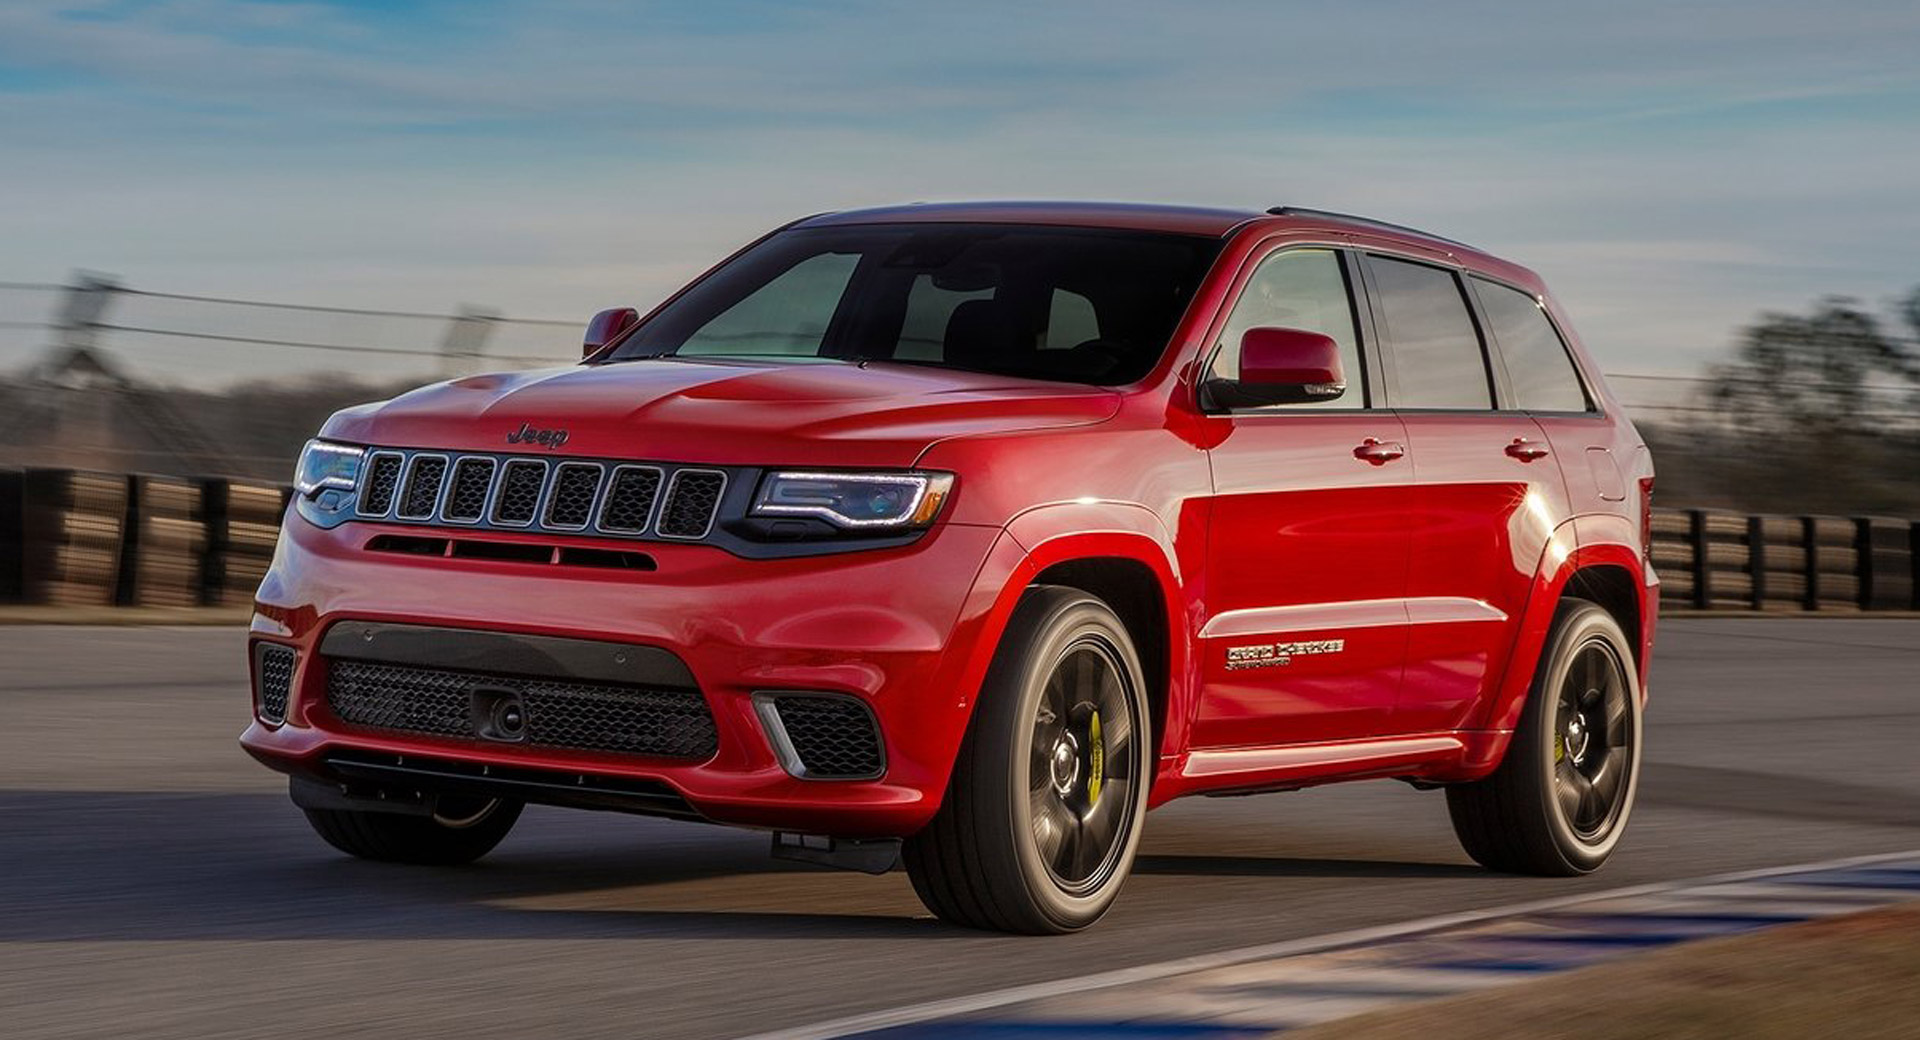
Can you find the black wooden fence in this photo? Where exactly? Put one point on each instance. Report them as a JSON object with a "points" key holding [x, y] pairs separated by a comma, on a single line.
{"points": [[76, 538], [103, 539]]}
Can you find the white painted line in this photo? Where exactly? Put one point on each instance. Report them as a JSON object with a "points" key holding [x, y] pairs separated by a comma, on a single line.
{"points": [[952, 1006]]}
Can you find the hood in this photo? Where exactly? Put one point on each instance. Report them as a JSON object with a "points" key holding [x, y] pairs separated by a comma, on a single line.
{"points": [[723, 412]]}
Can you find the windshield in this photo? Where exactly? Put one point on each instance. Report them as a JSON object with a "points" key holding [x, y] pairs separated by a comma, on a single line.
{"points": [[1078, 305]]}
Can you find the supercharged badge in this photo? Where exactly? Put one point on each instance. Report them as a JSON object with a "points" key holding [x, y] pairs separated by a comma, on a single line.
{"points": [[1267, 655]]}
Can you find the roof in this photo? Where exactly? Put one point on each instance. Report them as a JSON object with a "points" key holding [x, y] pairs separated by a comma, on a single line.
{"points": [[1190, 220], [1135, 216]]}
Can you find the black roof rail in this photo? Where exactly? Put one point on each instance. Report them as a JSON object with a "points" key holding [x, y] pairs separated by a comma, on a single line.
{"points": [[1348, 218]]}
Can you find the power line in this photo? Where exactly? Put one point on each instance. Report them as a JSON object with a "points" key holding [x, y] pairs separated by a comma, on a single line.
{"points": [[1896, 387], [303, 345], [336, 310], [1702, 409]]}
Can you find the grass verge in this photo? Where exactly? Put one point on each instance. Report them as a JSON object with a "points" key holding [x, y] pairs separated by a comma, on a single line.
{"points": [[1851, 976]]}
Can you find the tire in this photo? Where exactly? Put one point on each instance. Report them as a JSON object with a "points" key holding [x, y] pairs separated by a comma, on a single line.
{"points": [[459, 831], [1027, 841], [1559, 801]]}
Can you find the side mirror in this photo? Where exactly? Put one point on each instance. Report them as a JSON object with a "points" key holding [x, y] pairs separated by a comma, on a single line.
{"points": [[607, 326], [1282, 366]]}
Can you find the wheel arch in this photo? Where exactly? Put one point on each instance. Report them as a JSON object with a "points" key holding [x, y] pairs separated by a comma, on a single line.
{"points": [[1585, 560], [1124, 555], [1131, 588]]}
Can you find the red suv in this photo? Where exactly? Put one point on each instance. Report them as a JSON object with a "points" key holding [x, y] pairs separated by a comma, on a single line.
{"points": [[964, 535]]}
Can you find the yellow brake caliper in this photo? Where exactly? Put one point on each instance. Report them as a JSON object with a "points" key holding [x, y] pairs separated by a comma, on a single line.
{"points": [[1096, 760]]}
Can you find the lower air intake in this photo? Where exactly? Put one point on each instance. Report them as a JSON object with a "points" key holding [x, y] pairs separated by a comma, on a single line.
{"points": [[828, 737], [273, 669]]}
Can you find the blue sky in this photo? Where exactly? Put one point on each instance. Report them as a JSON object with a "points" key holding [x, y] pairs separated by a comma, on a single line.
{"points": [[1671, 168]]}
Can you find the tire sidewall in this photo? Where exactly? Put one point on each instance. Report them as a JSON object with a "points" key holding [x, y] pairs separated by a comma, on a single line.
{"points": [[1054, 634], [1580, 628]]}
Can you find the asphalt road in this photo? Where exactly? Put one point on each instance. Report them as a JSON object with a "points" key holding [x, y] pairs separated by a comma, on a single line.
{"points": [[155, 882]]}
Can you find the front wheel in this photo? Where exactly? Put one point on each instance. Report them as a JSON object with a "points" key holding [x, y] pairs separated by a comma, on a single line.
{"points": [[459, 830], [1043, 816], [1559, 801]]}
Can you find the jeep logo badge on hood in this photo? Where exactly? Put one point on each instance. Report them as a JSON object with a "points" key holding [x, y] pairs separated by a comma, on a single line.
{"points": [[526, 434]]}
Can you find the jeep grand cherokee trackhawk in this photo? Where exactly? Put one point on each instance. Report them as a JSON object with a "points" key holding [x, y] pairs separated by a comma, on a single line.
{"points": [[964, 535]]}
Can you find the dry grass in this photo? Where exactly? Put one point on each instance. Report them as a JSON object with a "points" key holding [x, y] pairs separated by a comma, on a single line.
{"points": [[1852, 977]]}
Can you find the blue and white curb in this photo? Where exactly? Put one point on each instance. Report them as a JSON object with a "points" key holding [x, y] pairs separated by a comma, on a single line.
{"points": [[1258, 990]]}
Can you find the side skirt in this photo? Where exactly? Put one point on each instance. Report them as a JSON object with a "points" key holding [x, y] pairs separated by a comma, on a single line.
{"points": [[1434, 758]]}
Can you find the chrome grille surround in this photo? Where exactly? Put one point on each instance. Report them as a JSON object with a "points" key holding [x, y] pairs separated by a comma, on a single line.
{"points": [[420, 487], [495, 491], [468, 489], [692, 493], [382, 481], [574, 491]]}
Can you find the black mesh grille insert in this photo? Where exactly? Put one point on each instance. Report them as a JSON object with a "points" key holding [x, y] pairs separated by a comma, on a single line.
{"points": [[467, 499], [382, 480], [275, 664], [691, 500], [571, 503], [423, 486], [630, 499], [558, 495], [519, 492], [559, 713], [835, 738]]}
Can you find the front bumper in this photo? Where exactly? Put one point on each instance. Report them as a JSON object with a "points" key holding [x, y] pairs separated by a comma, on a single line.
{"points": [[901, 629]]}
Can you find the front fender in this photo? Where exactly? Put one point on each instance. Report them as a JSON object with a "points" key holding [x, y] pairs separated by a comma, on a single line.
{"points": [[1061, 533]]}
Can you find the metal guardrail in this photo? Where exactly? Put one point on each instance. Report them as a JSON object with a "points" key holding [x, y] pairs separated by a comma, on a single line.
{"points": [[101, 539]]}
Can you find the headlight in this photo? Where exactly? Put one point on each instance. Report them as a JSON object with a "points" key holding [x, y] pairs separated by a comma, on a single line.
{"points": [[324, 481], [866, 501], [324, 465]]}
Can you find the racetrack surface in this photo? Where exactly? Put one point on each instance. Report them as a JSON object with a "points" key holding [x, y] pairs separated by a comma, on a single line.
{"points": [[155, 882]]}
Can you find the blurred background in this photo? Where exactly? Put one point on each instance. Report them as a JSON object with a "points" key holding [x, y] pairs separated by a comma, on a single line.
{"points": [[224, 219], [221, 220]]}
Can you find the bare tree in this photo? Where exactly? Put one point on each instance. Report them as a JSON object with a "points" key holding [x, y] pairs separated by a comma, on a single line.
{"points": [[1815, 373]]}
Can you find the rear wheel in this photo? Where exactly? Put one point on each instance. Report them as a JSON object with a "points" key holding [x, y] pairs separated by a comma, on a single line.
{"points": [[1043, 816], [1559, 802], [460, 830]]}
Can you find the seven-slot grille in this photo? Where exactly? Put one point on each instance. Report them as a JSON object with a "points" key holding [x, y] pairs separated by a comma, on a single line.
{"points": [[564, 496]]}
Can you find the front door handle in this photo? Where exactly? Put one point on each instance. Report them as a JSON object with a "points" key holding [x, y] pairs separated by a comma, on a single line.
{"points": [[1526, 450], [1378, 452]]}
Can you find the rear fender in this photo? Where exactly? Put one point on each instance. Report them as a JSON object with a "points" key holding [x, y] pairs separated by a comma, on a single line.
{"points": [[1576, 545]]}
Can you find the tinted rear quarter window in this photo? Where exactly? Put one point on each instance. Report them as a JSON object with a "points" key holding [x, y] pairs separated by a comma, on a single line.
{"points": [[1539, 369], [1437, 358]]}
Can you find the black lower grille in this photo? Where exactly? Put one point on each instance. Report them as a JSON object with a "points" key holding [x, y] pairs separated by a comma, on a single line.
{"points": [[586, 716], [834, 738], [274, 666]]}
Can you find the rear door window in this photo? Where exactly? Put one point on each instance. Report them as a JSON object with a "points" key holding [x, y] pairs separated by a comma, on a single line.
{"points": [[1539, 369], [1438, 361]]}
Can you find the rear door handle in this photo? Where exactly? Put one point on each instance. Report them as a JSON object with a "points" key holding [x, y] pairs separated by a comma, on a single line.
{"points": [[1378, 452], [1526, 450]]}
